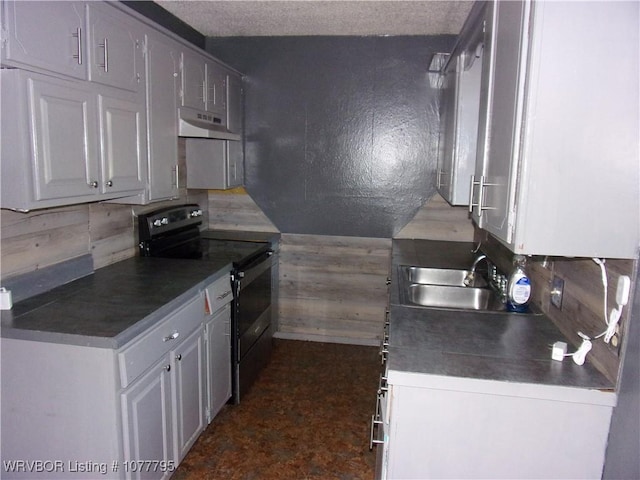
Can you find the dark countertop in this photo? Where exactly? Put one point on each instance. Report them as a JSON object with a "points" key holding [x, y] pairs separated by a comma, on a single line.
{"points": [[114, 304], [497, 346]]}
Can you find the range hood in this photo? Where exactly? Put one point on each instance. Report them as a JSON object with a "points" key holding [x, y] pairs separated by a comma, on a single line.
{"points": [[199, 124]]}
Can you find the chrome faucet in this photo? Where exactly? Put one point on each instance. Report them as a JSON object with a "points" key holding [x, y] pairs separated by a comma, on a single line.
{"points": [[468, 280]]}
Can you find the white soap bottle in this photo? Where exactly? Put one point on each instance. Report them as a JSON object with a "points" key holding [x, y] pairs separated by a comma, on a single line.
{"points": [[519, 286]]}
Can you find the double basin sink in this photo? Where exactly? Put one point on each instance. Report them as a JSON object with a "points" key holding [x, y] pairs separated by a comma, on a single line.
{"points": [[446, 288]]}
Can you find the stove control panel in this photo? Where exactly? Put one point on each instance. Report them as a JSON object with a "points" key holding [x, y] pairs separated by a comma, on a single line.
{"points": [[167, 220]]}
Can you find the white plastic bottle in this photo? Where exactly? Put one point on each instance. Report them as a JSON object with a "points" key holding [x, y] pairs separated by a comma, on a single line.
{"points": [[519, 286]]}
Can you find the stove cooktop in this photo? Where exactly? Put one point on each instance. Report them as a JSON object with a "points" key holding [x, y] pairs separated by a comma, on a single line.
{"points": [[234, 251]]}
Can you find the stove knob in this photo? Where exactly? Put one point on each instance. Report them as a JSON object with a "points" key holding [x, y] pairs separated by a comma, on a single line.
{"points": [[157, 223], [165, 221]]}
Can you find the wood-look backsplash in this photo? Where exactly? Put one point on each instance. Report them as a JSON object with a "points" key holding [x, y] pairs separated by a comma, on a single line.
{"points": [[583, 298], [38, 239]]}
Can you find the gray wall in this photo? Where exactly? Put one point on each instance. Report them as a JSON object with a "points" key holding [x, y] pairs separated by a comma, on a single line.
{"points": [[341, 132]]}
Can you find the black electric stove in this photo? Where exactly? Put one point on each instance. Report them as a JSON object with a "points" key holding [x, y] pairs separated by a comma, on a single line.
{"points": [[174, 232]]}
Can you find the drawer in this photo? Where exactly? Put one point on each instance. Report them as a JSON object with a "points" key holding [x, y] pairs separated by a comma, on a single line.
{"points": [[219, 293], [145, 350]]}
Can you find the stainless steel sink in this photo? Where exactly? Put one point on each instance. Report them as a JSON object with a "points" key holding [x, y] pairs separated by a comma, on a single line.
{"points": [[469, 298], [440, 276], [445, 288]]}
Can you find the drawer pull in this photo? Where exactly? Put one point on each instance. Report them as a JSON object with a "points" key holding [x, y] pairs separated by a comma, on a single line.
{"points": [[173, 336], [224, 295]]}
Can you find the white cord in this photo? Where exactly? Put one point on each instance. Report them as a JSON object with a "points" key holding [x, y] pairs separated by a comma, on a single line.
{"points": [[581, 354], [603, 271], [612, 319]]}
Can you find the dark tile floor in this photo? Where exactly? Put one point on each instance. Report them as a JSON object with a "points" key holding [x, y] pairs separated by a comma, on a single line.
{"points": [[306, 417]]}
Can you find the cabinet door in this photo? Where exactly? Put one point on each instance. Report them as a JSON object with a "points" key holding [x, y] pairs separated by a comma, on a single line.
{"points": [[468, 79], [218, 361], [235, 163], [147, 422], [163, 67], [115, 48], [64, 135], [497, 179], [579, 182], [46, 35], [234, 103], [446, 144], [189, 392], [193, 87], [216, 89], [123, 144]]}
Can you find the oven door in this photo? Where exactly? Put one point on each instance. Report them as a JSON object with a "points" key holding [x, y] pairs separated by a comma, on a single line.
{"points": [[253, 302]]}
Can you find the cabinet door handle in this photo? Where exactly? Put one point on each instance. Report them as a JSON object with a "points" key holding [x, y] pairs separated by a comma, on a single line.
{"points": [[105, 47], [382, 385], [176, 175], [178, 357], [471, 189], [224, 295], [439, 177], [93, 184], [482, 184], [167, 368], [173, 336], [373, 441], [78, 37], [110, 183]]}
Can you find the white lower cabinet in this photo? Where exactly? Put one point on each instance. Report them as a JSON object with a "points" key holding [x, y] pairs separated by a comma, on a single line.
{"points": [[443, 427], [218, 331], [163, 410], [189, 391], [218, 297], [147, 422], [127, 413]]}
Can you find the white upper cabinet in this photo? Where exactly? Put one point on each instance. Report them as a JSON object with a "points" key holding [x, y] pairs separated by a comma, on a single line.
{"points": [[63, 138], [45, 35], [65, 144], [496, 165], [193, 92], [557, 170], [460, 103], [163, 69], [216, 89], [82, 40], [234, 103], [204, 86], [123, 144], [116, 48], [93, 93]]}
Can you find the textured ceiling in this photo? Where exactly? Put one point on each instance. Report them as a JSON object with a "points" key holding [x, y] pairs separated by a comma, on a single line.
{"points": [[224, 18]]}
